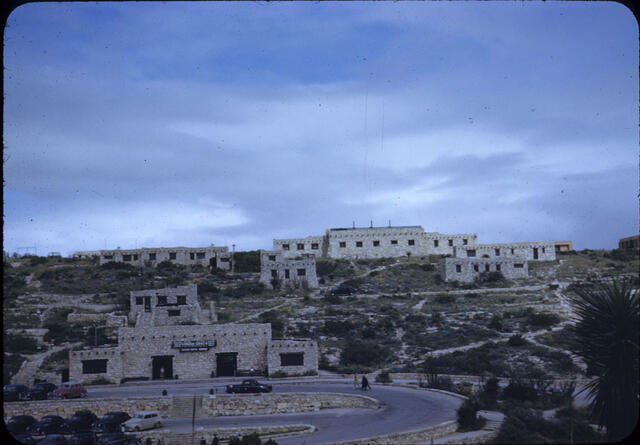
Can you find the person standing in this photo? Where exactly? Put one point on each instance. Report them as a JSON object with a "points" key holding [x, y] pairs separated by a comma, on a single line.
{"points": [[365, 383], [355, 381]]}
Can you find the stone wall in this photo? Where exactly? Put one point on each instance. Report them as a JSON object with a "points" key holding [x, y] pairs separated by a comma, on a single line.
{"points": [[376, 242], [533, 251], [288, 272], [162, 307], [443, 244], [308, 348], [204, 256], [109, 320], [113, 369], [293, 247], [468, 269]]}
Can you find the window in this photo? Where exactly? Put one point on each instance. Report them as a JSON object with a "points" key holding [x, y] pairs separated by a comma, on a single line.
{"points": [[224, 260], [450, 242], [497, 267], [543, 250], [108, 257], [302, 272], [358, 243], [126, 257], [94, 366], [376, 243], [411, 242], [300, 246], [486, 268], [191, 256], [314, 246], [476, 268], [172, 255], [471, 253], [286, 273], [285, 247], [497, 252], [274, 273], [464, 241], [511, 251], [292, 359], [518, 265], [394, 242], [272, 257], [152, 257], [182, 300], [139, 300], [162, 300], [458, 268], [435, 243], [200, 255], [173, 312], [343, 244], [135, 257]]}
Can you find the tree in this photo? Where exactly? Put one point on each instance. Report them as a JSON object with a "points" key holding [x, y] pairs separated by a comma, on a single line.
{"points": [[606, 332]]}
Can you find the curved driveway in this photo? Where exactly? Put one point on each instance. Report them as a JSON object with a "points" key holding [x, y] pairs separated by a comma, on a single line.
{"points": [[403, 409]]}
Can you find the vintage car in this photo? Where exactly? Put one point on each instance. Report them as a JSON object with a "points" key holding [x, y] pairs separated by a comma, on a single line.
{"points": [[39, 391], [20, 424], [343, 289], [50, 424], [68, 390], [249, 385], [110, 422], [81, 421], [143, 420], [14, 392]]}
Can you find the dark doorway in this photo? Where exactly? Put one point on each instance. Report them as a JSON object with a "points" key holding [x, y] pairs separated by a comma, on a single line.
{"points": [[64, 375], [535, 253], [147, 304], [162, 367], [213, 262], [226, 364]]}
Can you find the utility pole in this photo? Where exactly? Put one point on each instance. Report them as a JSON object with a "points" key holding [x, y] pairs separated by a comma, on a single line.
{"points": [[233, 258]]}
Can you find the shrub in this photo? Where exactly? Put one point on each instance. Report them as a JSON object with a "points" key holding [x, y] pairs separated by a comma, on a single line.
{"points": [[496, 323], [467, 415], [543, 319], [248, 261], [444, 299], [517, 340], [20, 344], [10, 365], [490, 277], [383, 377], [488, 396], [520, 390], [279, 374], [365, 353]]}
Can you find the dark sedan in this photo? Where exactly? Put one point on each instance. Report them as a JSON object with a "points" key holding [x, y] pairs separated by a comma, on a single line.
{"points": [[249, 385], [13, 393], [81, 421], [20, 424], [39, 391], [50, 424], [110, 422], [343, 289]]}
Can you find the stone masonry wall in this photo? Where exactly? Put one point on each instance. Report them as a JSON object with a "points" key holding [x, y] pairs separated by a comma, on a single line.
{"points": [[114, 364], [293, 247], [109, 320], [545, 251], [309, 349], [178, 255], [467, 269], [289, 272], [376, 242], [158, 313]]}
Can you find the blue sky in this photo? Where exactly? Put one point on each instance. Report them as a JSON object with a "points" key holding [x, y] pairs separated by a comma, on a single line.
{"points": [[149, 124]]}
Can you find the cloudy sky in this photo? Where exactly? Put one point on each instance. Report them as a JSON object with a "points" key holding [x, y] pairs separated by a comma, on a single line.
{"points": [[150, 124]]}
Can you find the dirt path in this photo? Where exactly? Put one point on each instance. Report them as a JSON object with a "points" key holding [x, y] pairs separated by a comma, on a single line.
{"points": [[30, 366], [419, 305]]}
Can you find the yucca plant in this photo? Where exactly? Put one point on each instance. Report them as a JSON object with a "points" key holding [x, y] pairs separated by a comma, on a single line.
{"points": [[606, 337]]}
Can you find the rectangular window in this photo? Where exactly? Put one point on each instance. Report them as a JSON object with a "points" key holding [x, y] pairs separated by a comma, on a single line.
{"points": [[450, 242], [464, 241], [498, 267], [458, 268], [126, 257], [94, 366], [411, 242], [192, 256], [343, 244], [300, 246], [358, 243], [152, 257], [302, 272], [200, 255], [224, 260], [172, 255], [497, 252], [476, 268], [285, 247], [286, 273], [272, 257], [471, 253], [108, 257], [274, 273], [486, 268], [518, 265], [314, 246], [139, 300], [394, 242], [512, 251], [135, 257], [162, 300], [182, 300], [292, 359], [173, 312], [435, 243], [376, 243], [543, 250]]}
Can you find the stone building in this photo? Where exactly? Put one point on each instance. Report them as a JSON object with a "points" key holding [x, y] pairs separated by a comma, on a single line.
{"points": [[468, 269], [164, 346], [219, 257], [563, 246], [279, 271], [631, 242], [533, 251]]}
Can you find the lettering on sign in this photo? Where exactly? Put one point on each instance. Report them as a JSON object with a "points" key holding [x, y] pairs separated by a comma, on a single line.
{"points": [[194, 346]]}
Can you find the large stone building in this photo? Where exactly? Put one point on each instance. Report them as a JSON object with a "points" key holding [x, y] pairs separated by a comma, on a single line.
{"points": [[163, 345], [631, 242], [219, 257], [377, 242], [277, 271], [468, 269]]}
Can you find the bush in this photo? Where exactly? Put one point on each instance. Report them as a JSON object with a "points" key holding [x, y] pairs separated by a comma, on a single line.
{"points": [[520, 390], [490, 277], [365, 353], [17, 343], [10, 365], [517, 340], [444, 299], [248, 261], [543, 319], [278, 374], [383, 377], [488, 396], [467, 415]]}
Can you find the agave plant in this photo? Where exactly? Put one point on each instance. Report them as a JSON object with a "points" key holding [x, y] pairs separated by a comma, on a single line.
{"points": [[606, 333]]}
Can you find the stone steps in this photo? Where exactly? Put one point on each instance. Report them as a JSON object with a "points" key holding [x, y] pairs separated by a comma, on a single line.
{"points": [[182, 406]]}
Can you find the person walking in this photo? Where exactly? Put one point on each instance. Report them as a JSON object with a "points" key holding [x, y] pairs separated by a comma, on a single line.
{"points": [[215, 440], [365, 383], [355, 381]]}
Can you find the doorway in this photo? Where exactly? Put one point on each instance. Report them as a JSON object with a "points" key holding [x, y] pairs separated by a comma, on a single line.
{"points": [[226, 364], [162, 367], [535, 253]]}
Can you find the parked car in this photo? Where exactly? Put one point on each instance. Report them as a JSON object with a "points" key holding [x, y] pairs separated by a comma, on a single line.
{"points": [[40, 391], [13, 392], [86, 438], [110, 422], [143, 420], [24, 438], [118, 438], [81, 421], [20, 424], [68, 390], [50, 424], [343, 289], [53, 439], [249, 385]]}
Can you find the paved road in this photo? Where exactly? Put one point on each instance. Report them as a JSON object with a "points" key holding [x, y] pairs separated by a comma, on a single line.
{"points": [[403, 409]]}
